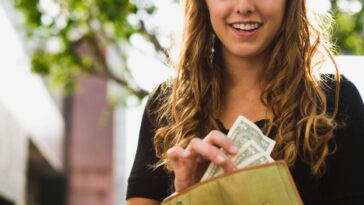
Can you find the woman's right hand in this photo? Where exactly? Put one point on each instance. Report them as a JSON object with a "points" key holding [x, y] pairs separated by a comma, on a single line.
{"points": [[189, 164]]}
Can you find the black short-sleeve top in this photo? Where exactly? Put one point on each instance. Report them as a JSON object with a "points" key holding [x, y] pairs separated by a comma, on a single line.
{"points": [[342, 183]]}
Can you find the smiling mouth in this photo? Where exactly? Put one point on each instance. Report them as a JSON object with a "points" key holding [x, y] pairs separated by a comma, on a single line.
{"points": [[247, 27]]}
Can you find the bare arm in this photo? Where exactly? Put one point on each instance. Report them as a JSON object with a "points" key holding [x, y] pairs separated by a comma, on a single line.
{"points": [[143, 201]]}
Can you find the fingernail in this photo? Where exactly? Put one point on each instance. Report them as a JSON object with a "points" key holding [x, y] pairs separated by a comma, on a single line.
{"points": [[220, 159], [233, 149]]}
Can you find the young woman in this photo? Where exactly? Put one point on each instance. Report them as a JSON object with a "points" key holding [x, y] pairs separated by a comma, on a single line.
{"points": [[259, 59]]}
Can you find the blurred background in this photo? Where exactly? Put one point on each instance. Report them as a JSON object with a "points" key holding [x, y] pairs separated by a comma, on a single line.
{"points": [[74, 78]]}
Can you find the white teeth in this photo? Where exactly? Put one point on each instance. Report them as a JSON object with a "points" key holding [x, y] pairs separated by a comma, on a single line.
{"points": [[246, 27]]}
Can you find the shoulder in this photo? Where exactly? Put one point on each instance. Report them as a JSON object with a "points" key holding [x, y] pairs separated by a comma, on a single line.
{"points": [[157, 98], [350, 101], [329, 82], [343, 179], [159, 95], [347, 88]]}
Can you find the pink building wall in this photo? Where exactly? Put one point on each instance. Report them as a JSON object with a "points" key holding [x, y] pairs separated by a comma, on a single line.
{"points": [[90, 153]]}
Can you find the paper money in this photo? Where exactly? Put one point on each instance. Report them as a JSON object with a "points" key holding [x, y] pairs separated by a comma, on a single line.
{"points": [[244, 130], [249, 150], [242, 159], [254, 147], [263, 159]]}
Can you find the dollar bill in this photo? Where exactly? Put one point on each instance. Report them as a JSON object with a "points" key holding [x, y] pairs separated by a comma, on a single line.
{"points": [[242, 159], [260, 158], [211, 171], [244, 130], [254, 147], [248, 153], [263, 159]]}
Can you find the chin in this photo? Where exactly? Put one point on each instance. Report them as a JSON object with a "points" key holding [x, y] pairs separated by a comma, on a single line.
{"points": [[247, 54]]}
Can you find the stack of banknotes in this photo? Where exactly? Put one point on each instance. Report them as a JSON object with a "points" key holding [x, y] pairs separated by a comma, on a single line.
{"points": [[254, 147]]}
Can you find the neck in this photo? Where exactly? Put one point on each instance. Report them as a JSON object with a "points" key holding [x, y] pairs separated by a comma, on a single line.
{"points": [[244, 73], [243, 84]]}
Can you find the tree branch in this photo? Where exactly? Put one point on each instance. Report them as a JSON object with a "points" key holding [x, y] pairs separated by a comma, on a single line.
{"points": [[154, 40], [96, 42]]}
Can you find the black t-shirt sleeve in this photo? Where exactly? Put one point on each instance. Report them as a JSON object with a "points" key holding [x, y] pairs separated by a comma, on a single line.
{"points": [[343, 182], [145, 181]]}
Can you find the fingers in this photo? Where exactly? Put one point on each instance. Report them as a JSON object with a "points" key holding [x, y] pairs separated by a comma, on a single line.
{"points": [[175, 155], [208, 148], [186, 163], [219, 139], [183, 167], [211, 153]]}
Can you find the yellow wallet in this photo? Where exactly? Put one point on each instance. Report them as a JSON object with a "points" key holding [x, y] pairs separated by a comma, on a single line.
{"points": [[265, 184]]}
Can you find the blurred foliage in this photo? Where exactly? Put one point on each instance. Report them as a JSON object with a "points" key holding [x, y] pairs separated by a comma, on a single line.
{"points": [[349, 27], [83, 29]]}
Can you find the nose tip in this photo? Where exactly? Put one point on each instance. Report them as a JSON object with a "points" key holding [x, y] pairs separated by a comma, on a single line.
{"points": [[245, 7]]}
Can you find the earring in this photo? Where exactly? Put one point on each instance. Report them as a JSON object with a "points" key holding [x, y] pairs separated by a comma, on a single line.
{"points": [[212, 51], [213, 43]]}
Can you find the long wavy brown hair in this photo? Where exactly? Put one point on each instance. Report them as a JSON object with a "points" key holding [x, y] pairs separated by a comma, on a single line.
{"points": [[294, 93]]}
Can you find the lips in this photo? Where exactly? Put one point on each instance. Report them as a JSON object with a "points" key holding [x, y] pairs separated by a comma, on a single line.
{"points": [[247, 27]]}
